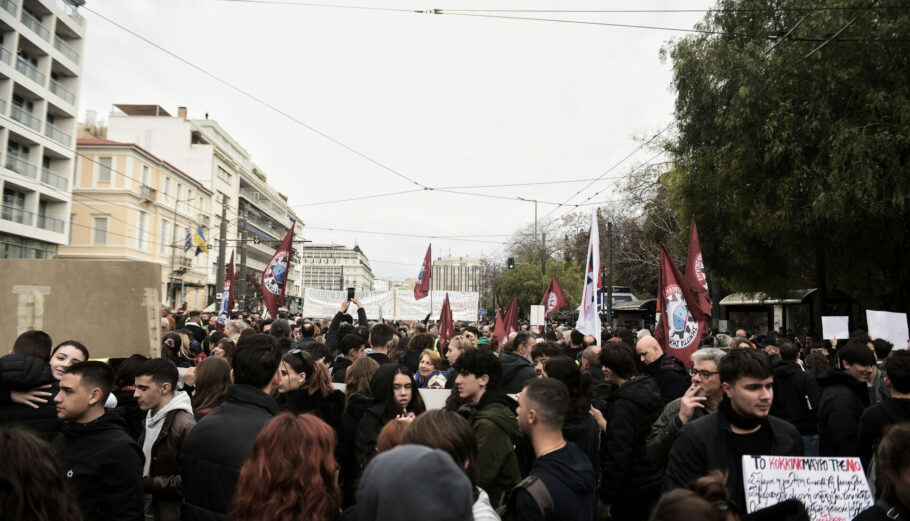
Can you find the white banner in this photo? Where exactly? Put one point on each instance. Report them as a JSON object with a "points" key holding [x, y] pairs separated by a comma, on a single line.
{"points": [[391, 305], [889, 326]]}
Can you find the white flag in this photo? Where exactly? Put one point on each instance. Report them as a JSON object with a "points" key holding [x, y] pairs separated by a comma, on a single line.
{"points": [[588, 316]]}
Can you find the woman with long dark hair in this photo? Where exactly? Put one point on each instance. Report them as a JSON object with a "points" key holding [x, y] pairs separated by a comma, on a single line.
{"points": [[358, 398], [213, 376], [290, 474], [396, 397], [306, 386], [579, 426]]}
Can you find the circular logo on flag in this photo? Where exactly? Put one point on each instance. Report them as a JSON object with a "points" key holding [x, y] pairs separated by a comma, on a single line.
{"points": [[275, 273], [682, 327], [551, 302], [700, 272], [420, 275]]}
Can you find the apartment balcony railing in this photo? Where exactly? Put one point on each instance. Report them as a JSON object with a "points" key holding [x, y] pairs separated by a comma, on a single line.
{"points": [[64, 48], [70, 11], [16, 215], [6, 56], [64, 93], [148, 193], [54, 179], [21, 167], [57, 135], [20, 115], [9, 6], [35, 25], [50, 224], [30, 71]]}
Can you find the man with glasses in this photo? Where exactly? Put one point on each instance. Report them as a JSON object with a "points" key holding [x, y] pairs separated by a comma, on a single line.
{"points": [[668, 371], [701, 398]]}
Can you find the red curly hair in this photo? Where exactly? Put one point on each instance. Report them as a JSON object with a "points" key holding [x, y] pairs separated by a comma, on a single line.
{"points": [[290, 475]]}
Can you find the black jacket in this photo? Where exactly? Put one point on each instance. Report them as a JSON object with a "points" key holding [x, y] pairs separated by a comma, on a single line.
{"points": [[516, 370], [708, 444], [628, 474], [411, 359], [132, 414], [331, 336], [842, 403], [583, 431], [350, 467], [217, 447], [24, 373], [104, 467], [329, 409], [670, 374], [875, 420], [571, 483], [795, 397], [340, 369]]}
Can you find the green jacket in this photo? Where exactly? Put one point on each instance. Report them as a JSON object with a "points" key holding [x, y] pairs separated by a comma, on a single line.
{"points": [[496, 428]]}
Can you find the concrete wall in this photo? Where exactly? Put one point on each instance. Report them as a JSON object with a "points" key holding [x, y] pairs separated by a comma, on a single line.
{"points": [[110, 306]]}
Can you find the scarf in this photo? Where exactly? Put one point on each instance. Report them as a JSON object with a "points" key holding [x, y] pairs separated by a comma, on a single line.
{"points": [[741, 422]]}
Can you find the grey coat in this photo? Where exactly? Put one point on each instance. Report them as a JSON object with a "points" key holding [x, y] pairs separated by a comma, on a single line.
{"points": [[665, 430]]}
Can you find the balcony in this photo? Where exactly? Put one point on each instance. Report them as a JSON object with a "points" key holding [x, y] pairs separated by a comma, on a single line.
{"points": [[9, 6], [21, 167], [182, 264], [30, 71], [203, 219], [148, 193], [61, 91], [50, 224], [64, 48], [57, 135], [16, 215], [35, 25], [70, 11], [6, 56], [56, 180], [20, 115], [2, 107]]}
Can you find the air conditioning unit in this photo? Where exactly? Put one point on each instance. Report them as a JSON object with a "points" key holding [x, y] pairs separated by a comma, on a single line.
{"points": [[148, 193]]}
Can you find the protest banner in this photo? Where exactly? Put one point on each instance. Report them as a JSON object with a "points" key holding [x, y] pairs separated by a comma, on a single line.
{"points": [[391, 305], [889, 326], [836, 327], [832, 489], [537, 316]]}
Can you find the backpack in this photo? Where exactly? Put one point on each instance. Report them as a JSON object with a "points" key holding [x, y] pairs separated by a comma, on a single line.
{"points": [[538, 492]]}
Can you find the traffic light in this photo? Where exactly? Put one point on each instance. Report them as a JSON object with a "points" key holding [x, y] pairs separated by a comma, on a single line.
{"points": [[511, 263]]}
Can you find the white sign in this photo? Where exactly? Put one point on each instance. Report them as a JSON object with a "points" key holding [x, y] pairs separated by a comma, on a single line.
{"points": [[391, 305], [722, 326], [831, 489], [432, 398], [836, 327], [537, 315], [889, 326]]}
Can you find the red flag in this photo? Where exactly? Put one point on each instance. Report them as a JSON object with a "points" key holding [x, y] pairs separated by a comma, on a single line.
{"points": [[275, 276], [227, 297], [695, 273], [681, 323], [446, 325], [499, 330], [554, 299], [511, 318], [422, 288]]}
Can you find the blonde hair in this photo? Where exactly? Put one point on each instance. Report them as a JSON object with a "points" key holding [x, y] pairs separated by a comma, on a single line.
{"points": [[434, 357]]}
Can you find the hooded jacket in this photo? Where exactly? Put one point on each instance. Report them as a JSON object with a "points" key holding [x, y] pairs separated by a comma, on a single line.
{"points": [[216, 449], [583, 431], [628, 474], [875, 420], [795, 397], [496, 428], [374, 418], [842, 403], [516, 370], [670, 375], [162, 480], [571, 482], [328, 408], [340, 369], [104, 466], [24, 373]]}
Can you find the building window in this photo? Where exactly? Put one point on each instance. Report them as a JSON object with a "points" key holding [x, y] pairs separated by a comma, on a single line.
{"points": [[142, 230], [145, 175], [100, 231], [224, 175], [165, 236], [167, 186], [14, 207], [104, 169], [179, 197]]}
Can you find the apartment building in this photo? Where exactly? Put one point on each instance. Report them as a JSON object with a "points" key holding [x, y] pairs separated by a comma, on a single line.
{"points": [[40, 65], [457, 274], [128, 204], [334, 267]]}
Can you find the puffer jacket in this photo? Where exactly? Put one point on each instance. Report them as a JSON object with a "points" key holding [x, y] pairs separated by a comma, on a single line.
{"points": [[24, 373], [496, 428]]}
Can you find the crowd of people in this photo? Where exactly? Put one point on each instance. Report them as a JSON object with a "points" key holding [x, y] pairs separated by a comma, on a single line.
{"points": [[249, 423]]}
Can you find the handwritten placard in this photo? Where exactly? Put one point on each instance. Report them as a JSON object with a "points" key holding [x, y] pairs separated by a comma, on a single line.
{"points": [[832, 489]]}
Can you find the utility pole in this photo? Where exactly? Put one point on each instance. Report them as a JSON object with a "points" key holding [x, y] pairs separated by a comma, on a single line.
{"points": [[241, 299], [543, 254], [170, 278], [219, 271], [610, 272]]}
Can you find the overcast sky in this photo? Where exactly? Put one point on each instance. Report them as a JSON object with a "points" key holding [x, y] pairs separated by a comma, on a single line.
{"points": [[444, 100]]}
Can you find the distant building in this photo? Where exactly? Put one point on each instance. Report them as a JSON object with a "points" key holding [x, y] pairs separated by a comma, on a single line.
{"points": [[333, 267], [40, 67], [456, 274]]}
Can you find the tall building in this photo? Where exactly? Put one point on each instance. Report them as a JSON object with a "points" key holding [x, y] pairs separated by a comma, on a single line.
{"points": [[457, 274], [125, 207], [257, 217], [40, 65], [334, 267]]}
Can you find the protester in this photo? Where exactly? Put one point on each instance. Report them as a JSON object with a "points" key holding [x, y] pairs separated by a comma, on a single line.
{"points": [[845, 395], [630, 482], [395, 394], [32, 486], [306, 387], [492, 417], [579, 425], [390, 435], [212, 378], [335, 332], [668, 371], [796, 397], [740, 426], [176, 348], [28, 386], [456, 347], [896, 409], [542, 352], [66, 354], [565, 471], [516, 366], [124, 392], [218, 446], [358, 398], [352, 349], [894, 460], [169, 420], [416, 347], [428, 375], [99, 459], [194, 324], [576, 344], [381, 338], [290, 473]]}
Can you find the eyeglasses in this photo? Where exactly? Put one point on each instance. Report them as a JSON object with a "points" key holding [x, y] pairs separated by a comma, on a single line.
{"points": [[702, 373]]}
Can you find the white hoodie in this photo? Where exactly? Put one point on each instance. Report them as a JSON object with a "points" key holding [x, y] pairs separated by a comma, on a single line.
{"points": [[153, 424]]}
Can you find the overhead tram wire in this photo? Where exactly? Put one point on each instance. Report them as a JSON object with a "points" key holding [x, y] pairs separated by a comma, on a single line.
{"points": [[409, 235], [838, 33]]}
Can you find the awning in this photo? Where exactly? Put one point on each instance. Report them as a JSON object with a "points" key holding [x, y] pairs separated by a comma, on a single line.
{"points": [[795, 296]]}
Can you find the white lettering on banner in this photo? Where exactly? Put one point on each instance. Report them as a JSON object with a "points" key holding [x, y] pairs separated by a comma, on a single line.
{"points": [[832, 489], [394, 305]]}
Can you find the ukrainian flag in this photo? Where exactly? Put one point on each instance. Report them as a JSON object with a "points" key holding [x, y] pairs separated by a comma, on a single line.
{"points": [[199, 240]]}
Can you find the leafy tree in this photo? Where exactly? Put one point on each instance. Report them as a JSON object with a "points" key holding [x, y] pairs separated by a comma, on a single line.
{"points": [[527, 283], [795, 163]]}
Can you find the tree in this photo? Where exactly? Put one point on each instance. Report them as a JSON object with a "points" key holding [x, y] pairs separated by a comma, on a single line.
{"points": [[794, 162], [527, 283]]}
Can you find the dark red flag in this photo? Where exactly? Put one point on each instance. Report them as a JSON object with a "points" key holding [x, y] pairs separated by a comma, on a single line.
{"points": [[422, 288], [511, 318], [553, 299], [681, 323], [695, 274], [275, 276], [499, 330], [227, 297], [446, 325]]}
